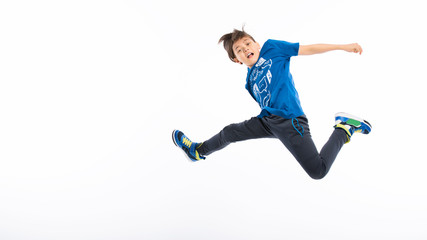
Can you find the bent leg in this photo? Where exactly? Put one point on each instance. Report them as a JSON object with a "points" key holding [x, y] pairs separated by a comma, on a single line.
{"points": [[297, 139], [317, 165], [249, 129]]}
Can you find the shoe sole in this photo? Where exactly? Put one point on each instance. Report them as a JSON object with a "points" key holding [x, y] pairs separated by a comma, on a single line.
{"points": [[346, 115], [173, 137]]}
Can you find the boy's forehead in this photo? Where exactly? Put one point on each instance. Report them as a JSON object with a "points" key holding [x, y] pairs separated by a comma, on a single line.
{"points": [[240, 41]]}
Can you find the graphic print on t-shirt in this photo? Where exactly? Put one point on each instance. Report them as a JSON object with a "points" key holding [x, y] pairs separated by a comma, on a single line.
{"points": [[260, 88]]}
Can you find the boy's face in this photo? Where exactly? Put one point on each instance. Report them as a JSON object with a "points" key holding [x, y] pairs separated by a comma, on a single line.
{"points": [[246, 51]]}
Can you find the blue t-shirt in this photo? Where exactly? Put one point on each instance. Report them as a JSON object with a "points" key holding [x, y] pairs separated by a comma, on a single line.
{"points": [[271, 84]]}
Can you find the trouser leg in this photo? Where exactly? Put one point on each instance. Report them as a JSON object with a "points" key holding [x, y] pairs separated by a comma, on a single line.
{"points": [[249, 129], [295, 135]]}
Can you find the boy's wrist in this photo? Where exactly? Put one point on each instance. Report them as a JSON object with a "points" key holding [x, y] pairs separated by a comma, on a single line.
{"points": [[342, 47]]}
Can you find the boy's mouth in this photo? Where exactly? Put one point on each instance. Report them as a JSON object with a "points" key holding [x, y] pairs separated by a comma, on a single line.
{"points": [[249, 55]]}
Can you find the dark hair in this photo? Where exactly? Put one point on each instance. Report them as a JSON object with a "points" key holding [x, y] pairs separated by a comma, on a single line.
{"points": [[230, 38]]}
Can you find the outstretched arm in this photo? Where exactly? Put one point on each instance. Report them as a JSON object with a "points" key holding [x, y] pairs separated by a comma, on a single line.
{"points": [[322, 48]]}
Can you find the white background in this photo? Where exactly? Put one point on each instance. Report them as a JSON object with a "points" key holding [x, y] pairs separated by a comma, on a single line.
{"points": [[90, 92]]}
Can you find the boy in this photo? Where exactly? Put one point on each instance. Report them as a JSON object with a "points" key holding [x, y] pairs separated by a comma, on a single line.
{"points": [[270, 83]]}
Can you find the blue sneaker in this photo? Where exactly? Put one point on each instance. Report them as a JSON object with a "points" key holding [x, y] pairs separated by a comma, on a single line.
{"points": [[351, 124], [189, 147]]}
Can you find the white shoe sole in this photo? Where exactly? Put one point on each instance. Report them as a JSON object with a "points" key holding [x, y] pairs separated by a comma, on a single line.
{"points": [[346, 115]]}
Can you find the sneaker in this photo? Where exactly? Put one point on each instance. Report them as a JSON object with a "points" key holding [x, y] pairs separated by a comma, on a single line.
{"points": [[187, 146], [351, 124]]}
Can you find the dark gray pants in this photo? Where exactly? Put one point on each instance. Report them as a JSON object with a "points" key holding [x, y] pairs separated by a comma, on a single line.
{"points": [[293, 133]]}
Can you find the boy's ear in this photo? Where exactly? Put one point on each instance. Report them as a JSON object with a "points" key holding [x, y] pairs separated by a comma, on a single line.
{"points": [[237, 61]]}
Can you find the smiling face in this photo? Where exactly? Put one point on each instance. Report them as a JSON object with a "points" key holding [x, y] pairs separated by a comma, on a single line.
{"points": [[246, 51]]}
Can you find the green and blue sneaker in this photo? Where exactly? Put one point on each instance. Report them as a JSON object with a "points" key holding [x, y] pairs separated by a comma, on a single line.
{"points": [[189, 147], [351, 124]]}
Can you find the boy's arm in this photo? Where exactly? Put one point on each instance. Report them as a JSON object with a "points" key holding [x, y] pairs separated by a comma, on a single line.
{"points": [[322, 48]]}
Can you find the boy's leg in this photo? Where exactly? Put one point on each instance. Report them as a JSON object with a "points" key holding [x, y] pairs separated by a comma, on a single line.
{"points": [[295, 135], [249, 129]]}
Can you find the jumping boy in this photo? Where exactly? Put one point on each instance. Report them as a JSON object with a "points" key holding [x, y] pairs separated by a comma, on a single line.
{"points": [[270, 83]]}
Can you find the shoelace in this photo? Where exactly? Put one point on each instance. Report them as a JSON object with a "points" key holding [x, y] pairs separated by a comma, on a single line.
{"points": [[186, 142]]}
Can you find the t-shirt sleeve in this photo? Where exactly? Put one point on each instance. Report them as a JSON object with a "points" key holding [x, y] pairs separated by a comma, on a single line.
{"points": [[286, 49]]}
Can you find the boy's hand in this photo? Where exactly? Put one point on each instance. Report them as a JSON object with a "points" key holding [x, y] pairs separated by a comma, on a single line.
{"points": [[353, 47]]}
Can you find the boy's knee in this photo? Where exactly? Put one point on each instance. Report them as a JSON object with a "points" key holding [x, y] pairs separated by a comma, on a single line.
{"points": [[317, 175], [228, 130], [230, 133]]}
